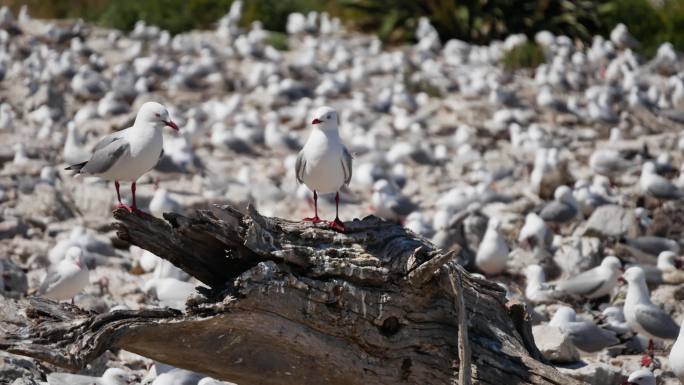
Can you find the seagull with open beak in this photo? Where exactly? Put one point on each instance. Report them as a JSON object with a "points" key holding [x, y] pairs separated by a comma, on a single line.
{"points": [[324, 164]]}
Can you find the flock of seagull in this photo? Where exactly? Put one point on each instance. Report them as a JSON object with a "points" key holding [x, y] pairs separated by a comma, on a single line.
{"points": [[569, 171]]}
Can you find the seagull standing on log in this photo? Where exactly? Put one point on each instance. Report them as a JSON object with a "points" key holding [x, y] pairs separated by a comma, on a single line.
{"points": [[128, 154], [324, 164]]}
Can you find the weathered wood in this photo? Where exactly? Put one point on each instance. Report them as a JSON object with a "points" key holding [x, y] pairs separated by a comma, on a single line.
{"points": [[295, 303]]}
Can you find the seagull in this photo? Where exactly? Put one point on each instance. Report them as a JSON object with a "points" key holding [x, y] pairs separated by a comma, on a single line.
{"points": [[655, 185], [609, 163], [584, 334], [641, 377], [677, 355], [68, 279], [162, 202], [324, 164], [74, 152], [536, 289], [535, 233], [111, 376], [593, 283], [211, 381], [492, 254], [643, 316], [388, 203], [666, 269], [177, 376], [170, 292], [563, 208], [128, 154], [614, 320]]}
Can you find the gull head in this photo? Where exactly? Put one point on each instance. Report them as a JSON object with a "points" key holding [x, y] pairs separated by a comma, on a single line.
{"points": [[325, 118], [115, 376], [383, 186], [648, 168], [563, 315], [667, 260], [635, 275], [612, 263], [154, 114], [75, 255], [564, 194], [641, 377], [613, 313]]}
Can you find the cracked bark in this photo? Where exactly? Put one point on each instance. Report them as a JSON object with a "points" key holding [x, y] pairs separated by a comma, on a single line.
{"points": [[292, 303]]}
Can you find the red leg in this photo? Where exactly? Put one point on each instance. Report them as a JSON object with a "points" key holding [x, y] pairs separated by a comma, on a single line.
{"points": [[118, 197], [647, 359], [135, 206], [337, 224], [315, 218]]}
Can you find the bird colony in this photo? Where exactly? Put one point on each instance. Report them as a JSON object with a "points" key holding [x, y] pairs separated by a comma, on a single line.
{"points": [[562, 183]]}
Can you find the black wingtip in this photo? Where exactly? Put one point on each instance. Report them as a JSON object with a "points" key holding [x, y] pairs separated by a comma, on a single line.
{"points": [[76, 167]]}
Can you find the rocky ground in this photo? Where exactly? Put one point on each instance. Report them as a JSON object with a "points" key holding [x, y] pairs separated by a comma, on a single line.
{"points": [[448, 127]]}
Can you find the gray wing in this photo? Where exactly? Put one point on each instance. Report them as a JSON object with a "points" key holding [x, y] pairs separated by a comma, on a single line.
{"points": [[558, 212], [48, 283], [589, 337], [403, 206], [346, 165], [652, 245], [582, 284], [655, 321], [106, 153], [663, 189], [299, 167]]}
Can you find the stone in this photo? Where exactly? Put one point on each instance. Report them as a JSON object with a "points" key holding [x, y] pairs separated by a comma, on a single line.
{"points": [[11, 227], [554, 345], [611, 221], [577, 254], [597, 373]]}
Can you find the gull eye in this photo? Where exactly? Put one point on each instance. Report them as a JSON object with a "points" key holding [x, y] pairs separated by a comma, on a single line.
{"points": [[327, 117]]}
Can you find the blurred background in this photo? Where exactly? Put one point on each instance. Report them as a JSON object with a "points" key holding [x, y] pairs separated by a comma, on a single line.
{"points": [[651, 22]]}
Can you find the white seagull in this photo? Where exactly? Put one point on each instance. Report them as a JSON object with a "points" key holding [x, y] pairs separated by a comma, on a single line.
{"points": [[127, 154], [677, 355], [68, 279], [324, 164], [593, 283], [641, 377], [657, 186], [584, 334], [388, 203], [492, 254], [111, 376], [642, 315]]}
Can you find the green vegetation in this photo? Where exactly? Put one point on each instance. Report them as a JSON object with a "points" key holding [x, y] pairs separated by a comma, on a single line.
{"points": [[526, 55], [477, 21]]}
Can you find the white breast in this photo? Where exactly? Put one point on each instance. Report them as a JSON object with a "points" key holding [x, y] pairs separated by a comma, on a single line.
{"points": [[145, 147], [323, 155], [72, 281]]}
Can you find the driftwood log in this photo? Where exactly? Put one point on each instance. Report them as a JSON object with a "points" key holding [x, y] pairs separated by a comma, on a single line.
{"points": [[296, 303]]}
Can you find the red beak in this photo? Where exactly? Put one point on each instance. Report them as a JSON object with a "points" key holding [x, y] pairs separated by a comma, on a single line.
{"points": [[315, 121], [678, 263], [172, 125], [628, 383], [621, 279]]}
